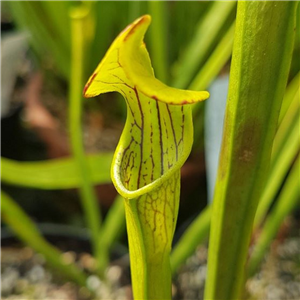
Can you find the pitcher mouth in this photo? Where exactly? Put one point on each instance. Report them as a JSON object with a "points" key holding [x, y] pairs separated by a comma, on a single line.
{"points": [[131, 194]]}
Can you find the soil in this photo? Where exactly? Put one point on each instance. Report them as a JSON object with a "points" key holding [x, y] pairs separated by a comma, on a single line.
{"points": [[25, 275], [277, 279]]}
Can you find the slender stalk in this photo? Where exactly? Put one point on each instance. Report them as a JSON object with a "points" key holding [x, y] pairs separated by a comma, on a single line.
{"points": [[258, 79], [113, 227], [158, 37], [88, 196]]}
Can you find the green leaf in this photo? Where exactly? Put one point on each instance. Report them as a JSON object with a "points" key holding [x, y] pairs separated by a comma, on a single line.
{"points": [[59, 173], [113, 227], [292, 90], [192, 237], [156, 141], [288, 200], [285, 149], [26, 230], [261, 59], [215, 62], [158, 35], [206, 33]]}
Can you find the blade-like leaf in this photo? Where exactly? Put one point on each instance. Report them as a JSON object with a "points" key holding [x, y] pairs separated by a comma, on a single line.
{"points": [[288, 200], [26, 230], [205, 35], [286, 146], [56, 173]]}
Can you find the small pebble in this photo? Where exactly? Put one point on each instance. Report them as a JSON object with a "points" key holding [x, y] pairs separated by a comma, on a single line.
{"points": [[68, 257], [93, 282], [8, 280], [36, 274], [114, 274]]}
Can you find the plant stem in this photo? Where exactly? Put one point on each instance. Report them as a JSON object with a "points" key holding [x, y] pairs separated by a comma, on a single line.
{"points": [[258, 78], [113, 226], [88, 196]]}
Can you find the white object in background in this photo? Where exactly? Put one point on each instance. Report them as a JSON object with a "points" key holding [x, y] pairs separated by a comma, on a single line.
{"points": [[13, 47], [214, 118]]}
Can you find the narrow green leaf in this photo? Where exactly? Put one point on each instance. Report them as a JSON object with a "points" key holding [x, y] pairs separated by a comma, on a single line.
{"points": [[192, 237], [20, 14], [215, 62], [258, 79], [292, 90], [113, 227], [135, 10], [286, 146], [158, 38], [286, 126], [56, 21], [205, 35], [31, 16], [205, 76], [56, 173], [288, 200], [26, 230], [104, 12]]}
